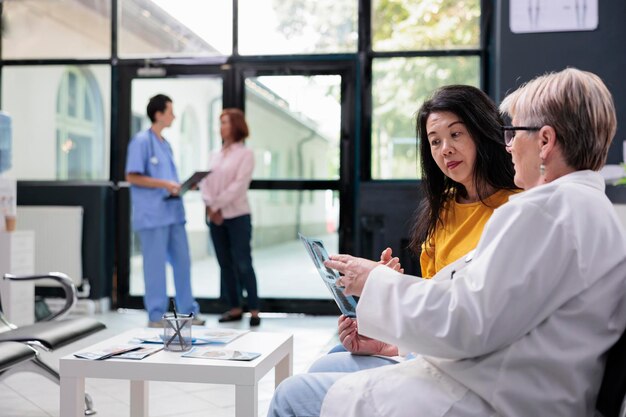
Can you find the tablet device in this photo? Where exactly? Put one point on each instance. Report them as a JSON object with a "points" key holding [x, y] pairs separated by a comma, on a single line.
{"points": [[318, 254], [195, 178]]}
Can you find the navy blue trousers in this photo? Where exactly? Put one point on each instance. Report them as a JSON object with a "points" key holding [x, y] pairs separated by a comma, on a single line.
{"points": [[231, 240]]}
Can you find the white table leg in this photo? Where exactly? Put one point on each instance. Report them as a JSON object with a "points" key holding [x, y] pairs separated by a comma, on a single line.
{"points": [[139, 397], [72, 396], [246, 400], [283, 369]]}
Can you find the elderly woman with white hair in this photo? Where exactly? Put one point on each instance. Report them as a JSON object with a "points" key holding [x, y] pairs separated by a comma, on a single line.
{"points": [[521, 325]]}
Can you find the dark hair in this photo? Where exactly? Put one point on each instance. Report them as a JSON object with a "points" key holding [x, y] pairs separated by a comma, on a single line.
{"points": [[157, 103], [237, 123], [493, 167]]}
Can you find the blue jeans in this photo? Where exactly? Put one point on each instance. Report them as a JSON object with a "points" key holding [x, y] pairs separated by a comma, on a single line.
{"points": [[302, 395], [158, 246], [231, 240], [338, 348]]}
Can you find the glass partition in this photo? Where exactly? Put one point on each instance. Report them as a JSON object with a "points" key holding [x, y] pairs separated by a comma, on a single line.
{"points": [[278, 27], [399, 86], [405, 25], [164, 28], [60, 119], [194, 134], [76, 29], [282, 265], [294, 125]]}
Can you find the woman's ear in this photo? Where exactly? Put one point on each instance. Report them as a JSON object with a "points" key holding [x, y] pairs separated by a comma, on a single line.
{"points": [[547, 141]]}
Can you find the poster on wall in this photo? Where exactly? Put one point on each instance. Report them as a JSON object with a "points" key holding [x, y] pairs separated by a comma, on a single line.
{"points": [[530, 16]]}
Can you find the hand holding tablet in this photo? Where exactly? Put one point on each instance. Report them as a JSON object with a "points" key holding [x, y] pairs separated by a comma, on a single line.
{"points": [[355, 272], [317, 252], [194, 179]]}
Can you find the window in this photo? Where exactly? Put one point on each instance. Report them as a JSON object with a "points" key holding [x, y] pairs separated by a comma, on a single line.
{"points": [[162, 28], [276, 27], [416, 49], [80, 148], [76, 29], [63, 114], [406, 25], [297, 116], [399, 86]]}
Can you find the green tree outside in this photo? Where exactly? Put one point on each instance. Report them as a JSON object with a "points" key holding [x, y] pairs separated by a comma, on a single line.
{"points": [[399, 84]]}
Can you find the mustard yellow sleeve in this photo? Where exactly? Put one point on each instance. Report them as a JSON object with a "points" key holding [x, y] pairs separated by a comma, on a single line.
{"points": [[427, 262]]}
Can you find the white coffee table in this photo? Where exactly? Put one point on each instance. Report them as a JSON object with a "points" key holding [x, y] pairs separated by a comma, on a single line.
{"points": [[276, 349]]}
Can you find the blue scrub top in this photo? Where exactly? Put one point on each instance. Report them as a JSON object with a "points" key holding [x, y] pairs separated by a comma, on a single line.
{"points": [[149, 156]]}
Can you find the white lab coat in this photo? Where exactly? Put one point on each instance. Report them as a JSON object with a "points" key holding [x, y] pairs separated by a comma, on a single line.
{"points": [[523, 324]]}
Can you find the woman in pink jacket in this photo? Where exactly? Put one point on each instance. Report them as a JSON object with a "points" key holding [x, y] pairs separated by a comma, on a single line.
{"points": [[224, 192]]}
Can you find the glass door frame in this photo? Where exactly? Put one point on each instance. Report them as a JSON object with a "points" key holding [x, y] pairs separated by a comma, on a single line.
{"points": [[122, 81], [233, 74]]}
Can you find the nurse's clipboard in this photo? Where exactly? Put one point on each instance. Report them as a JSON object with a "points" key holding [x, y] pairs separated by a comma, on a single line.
{"points": [[318, 254], [195, 178]]}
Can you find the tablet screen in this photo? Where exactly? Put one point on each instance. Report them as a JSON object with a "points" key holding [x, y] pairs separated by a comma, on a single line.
{"points": [[195, 178], [318, 253]]}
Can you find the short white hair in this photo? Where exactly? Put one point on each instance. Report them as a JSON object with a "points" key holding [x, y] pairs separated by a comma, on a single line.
{"points": [[577, 104]]}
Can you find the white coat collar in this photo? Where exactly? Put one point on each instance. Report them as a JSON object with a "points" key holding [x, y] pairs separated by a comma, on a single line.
{"points": [[585, 177]]}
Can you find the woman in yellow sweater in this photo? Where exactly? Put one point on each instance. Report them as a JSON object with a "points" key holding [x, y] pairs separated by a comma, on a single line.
{"points": [[466, 174]]}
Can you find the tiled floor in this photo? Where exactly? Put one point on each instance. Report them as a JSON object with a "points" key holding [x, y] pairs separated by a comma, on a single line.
{"points": [[30, 395]]}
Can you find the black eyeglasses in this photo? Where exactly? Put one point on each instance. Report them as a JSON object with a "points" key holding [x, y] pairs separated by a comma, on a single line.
{"points": [[509, 132]]}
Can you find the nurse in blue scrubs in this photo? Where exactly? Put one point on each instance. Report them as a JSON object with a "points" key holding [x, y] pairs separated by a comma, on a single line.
{"points": [[158, 220]]}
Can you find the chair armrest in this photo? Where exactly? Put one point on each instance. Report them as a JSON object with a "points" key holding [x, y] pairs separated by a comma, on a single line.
{"points": [[66, 283]]}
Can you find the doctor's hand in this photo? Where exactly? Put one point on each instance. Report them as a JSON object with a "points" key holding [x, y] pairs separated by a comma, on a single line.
{"points": [[355, 272], [359, 344], [172, 187], [387, 260]]}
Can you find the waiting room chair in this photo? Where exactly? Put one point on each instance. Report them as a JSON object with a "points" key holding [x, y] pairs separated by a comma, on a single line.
{"points": [[13, 355], [613, 387], [48, 334]]}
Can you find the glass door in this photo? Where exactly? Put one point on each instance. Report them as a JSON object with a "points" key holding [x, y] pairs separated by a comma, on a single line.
{"points": [[299, 133], [197, 103], [295, 125]]}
